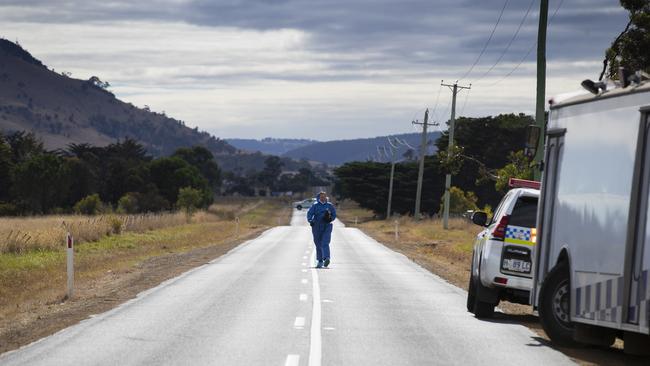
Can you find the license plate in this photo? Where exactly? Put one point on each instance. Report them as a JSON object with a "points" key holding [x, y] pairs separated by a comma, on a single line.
{"points": [[516, 265]]}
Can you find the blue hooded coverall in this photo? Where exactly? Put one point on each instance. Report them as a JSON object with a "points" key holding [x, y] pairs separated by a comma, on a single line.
{"points": [[321, 229]]}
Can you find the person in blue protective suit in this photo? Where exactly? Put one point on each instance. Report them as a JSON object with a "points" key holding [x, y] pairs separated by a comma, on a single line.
{"points": [[320, 217]]}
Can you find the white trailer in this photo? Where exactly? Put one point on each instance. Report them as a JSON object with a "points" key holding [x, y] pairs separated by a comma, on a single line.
{"points": [[592, 259]]}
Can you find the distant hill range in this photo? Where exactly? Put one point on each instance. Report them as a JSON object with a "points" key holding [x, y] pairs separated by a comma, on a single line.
{"points": [[270, 145], [338, 152], [62, 110]]}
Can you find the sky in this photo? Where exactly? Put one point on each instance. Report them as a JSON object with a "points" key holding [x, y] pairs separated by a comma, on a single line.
{"points": [[323, 70]]}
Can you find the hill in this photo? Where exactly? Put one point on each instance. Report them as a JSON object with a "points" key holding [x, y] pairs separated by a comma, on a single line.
{"points": [[270, 145], [62, 110], [338, 152]]}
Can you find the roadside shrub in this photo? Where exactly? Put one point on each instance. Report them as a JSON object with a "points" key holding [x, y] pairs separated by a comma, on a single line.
{"points": [[8, 209], [89, 205], [115, 224], [128, 204], [189, 199], [460, 201]]}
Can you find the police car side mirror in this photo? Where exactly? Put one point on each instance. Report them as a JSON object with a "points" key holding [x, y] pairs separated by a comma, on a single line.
{"points": [[532, 140], [479, 218]]}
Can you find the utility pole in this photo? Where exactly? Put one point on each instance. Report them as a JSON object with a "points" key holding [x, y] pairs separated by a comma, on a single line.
{"points": [[541, 86], [393, 150], [450, 150], [423, 151]]}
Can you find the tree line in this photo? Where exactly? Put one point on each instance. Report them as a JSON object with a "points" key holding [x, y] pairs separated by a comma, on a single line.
{"points": [[488, 151], [121, 176]]}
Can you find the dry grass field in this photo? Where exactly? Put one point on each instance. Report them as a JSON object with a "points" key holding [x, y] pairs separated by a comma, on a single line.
{"points": [[115, 256]]}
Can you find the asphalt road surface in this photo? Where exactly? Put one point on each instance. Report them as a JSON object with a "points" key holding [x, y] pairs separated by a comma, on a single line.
{"points": [[264, 304]]}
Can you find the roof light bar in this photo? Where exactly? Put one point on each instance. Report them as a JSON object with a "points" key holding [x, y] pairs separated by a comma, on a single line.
{"points": [[523, 183]]}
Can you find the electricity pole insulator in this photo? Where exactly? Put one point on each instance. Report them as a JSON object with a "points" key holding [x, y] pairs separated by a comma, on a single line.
{"points": [[455, 88]]}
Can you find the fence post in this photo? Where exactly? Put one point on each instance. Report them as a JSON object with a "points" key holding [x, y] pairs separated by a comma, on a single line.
{"points": [[70, 264]]}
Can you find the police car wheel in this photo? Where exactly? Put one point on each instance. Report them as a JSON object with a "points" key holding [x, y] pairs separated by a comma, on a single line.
{"points": [[481, 309], [471, 294], [554, 306]]}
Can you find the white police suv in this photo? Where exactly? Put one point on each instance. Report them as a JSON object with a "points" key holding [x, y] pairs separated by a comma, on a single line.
{"points": [[502, 255]]}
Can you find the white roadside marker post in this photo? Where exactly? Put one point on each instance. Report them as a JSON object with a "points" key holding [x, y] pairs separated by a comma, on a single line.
{"points": [[70, 260], [356, 221], [237, 227], [396, 230]]}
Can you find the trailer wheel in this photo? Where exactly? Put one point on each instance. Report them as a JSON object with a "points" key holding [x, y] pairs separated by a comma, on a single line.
{"points": [[299, 207], [555, 306]]}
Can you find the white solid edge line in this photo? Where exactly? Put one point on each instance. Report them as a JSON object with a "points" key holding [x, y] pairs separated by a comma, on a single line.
{"points": [[315, 341], [292, 360]]}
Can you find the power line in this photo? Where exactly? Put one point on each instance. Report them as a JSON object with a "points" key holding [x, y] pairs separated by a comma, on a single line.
{"points": [[487, 42], [446, 111], [464, 103], [437, 99], [514, 36], [530, 49]]}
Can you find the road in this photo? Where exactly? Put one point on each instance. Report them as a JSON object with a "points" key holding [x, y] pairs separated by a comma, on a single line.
{"points": [[264, 304]]}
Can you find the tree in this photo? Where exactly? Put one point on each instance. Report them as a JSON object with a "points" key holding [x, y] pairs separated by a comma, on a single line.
{"points": [[24, 145], [518, 167], [630, 48], [95, 81], [483, 145], [189, 199], [203, 160], [271, 172], [128, 204], [460, 201], [41, 183], [6, 166], [171, 174], [367, 184], [89, 205]]}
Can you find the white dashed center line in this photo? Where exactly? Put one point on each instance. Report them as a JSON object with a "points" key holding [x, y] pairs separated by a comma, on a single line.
{"points": [[315, 340], [299, 323], [292, 360]]}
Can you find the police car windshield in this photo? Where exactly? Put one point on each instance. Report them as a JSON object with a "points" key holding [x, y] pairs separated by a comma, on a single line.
{"points": [[525, 212]]}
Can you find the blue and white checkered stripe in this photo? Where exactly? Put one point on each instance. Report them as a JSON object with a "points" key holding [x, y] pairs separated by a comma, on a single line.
{"points": [[518, 232], [603, 301]]}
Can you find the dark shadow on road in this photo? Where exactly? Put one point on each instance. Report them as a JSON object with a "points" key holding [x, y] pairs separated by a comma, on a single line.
{"points": [[585, 355]]}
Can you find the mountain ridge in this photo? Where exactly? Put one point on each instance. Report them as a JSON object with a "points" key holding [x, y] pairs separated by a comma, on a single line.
{"points": [[61, 110], [338, 152]]}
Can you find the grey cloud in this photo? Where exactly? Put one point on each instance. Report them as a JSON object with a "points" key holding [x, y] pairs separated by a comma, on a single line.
{"points": [[353, 40], [413, 32]]}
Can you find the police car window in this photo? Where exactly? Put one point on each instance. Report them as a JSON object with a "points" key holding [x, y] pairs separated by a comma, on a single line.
{"points": [[525, 212], [497, 212]]}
